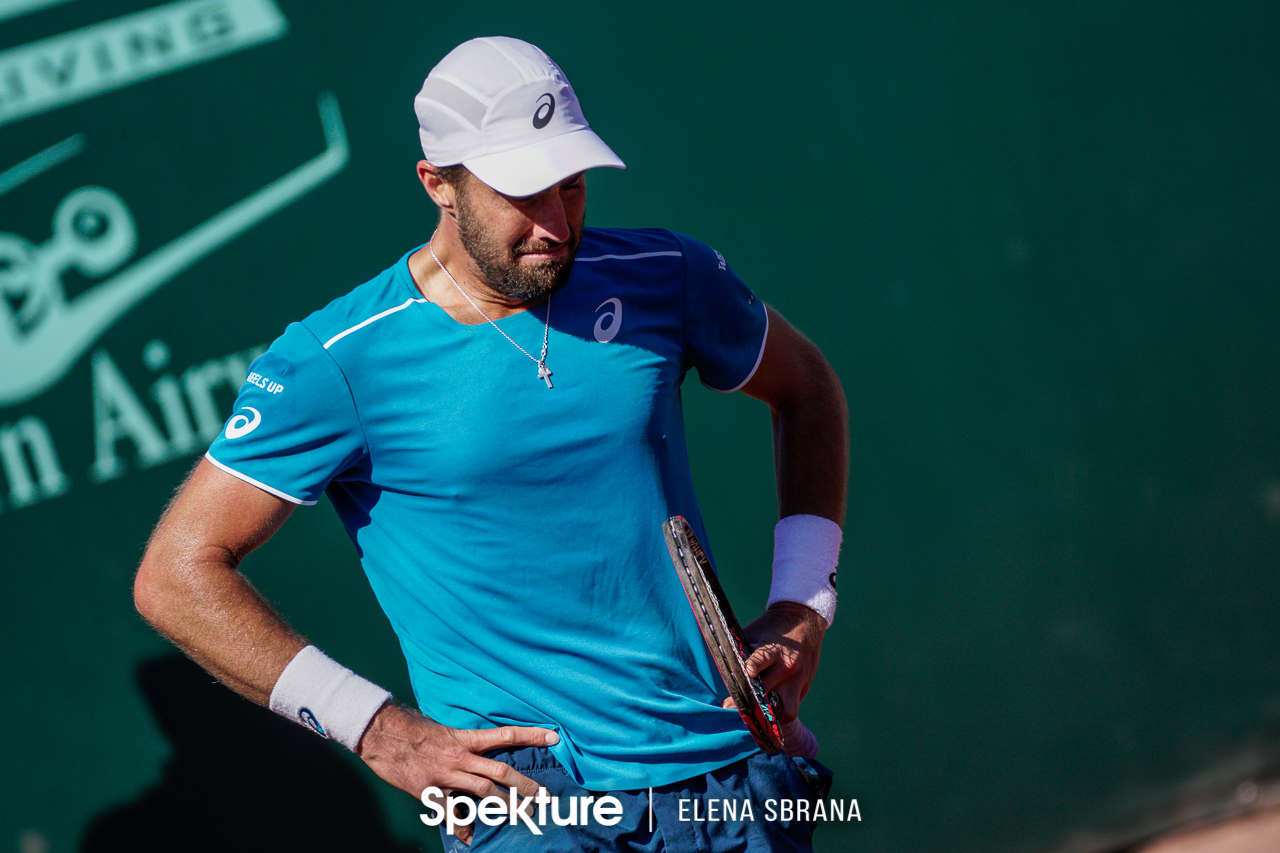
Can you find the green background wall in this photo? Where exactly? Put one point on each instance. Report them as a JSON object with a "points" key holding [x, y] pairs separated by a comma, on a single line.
{"points": [[1037, 241]]}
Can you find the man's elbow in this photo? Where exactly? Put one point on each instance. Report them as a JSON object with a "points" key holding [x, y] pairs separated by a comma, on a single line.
{"points": [[154, 589], [146, 594]]}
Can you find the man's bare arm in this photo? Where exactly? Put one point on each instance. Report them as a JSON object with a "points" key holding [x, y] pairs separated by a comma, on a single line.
{"points": [[810, 423], [190, 589], [811, 463]]}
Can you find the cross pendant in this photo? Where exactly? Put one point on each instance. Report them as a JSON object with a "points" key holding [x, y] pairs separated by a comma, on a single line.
{"points": [[544, 373]]}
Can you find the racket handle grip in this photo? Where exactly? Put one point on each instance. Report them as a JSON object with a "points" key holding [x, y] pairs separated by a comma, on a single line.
{"points": [[797, 740]]}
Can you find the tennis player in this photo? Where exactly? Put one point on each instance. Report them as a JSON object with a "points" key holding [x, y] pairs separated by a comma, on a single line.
{"points": [[496, 419]]}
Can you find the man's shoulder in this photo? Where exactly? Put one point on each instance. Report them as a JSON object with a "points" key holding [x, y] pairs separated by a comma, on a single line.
{"points": [[626, 242], [385, 292], [639, 243]]}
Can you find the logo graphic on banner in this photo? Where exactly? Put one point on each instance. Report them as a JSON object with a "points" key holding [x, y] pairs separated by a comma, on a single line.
{"points": [[42, 162], [93, 231]]}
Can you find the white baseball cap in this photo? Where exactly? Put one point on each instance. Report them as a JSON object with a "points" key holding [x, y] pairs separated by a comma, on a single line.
{"points": [[503, 109]]}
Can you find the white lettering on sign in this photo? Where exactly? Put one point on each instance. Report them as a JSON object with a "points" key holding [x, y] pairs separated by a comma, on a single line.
{"points": [[120, 418], [125, 428], [30, 463], [74, 66]]}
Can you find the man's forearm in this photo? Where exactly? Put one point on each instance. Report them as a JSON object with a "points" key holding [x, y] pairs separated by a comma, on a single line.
{"points": [[811, 446], [212, 612], [190, 589], [810, 423]]}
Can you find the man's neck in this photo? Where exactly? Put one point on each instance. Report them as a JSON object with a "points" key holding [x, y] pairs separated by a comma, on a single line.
{"points": [[449, 280]]}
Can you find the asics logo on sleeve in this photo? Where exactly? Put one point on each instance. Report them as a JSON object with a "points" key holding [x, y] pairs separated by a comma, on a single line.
{"points": [[243, 424], [608, 323], [546, 109]]}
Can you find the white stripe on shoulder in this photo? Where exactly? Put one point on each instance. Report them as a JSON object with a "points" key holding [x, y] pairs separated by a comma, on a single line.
{"points": [[632, 257], [372, 319], [754, 367], [234, 473]]}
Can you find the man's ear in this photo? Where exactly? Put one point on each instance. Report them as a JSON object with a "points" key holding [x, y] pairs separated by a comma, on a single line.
{"points": [[443, 193]]}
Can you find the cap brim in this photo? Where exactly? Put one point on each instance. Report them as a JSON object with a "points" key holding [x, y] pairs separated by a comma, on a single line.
{"points": [[532, 168]]}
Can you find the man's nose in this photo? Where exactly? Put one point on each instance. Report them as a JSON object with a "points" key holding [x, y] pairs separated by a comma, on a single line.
{"points": [[550, 221]]}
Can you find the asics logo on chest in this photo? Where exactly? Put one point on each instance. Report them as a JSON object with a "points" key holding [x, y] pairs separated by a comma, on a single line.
{"points": [[608, 323]]}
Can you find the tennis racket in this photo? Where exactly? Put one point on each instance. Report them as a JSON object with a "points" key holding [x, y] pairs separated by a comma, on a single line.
{"points": [[723, 635]]}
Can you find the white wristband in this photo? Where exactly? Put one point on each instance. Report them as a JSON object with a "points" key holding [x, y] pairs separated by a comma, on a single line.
{"points": [[806, 549], [318, 692]]}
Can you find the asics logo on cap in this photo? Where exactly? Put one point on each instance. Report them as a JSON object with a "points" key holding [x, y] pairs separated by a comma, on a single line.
{"points": [[546, 109]]}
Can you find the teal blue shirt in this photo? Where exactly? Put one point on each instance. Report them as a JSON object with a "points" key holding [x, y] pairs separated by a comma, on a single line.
{"points": [[511, 532]]}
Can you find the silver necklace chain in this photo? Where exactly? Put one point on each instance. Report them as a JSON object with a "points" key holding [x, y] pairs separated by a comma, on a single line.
{"points": [[544, 372]]}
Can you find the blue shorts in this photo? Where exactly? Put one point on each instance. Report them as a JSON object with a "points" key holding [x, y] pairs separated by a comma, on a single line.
{"points": [[739, 807]]}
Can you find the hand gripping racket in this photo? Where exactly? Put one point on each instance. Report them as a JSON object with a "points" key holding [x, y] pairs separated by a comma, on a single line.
{"points": [[723, 635]]}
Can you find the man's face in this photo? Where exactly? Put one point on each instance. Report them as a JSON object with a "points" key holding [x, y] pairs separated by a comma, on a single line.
{"points": [[524, 247]]}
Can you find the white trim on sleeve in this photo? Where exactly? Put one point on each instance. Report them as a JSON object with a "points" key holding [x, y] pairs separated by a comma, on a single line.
{"points": [[635, 257], [234, 473], [754, 367], [374, 318]]}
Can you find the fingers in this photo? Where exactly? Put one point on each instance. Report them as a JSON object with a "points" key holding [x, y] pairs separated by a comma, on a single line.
{"points": [[415, 753], [783, 670], [524, 786], [779, 670], [462, 778], [796, 738], [483, 740], [487, 777], [762, 658], [773, 664]]}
